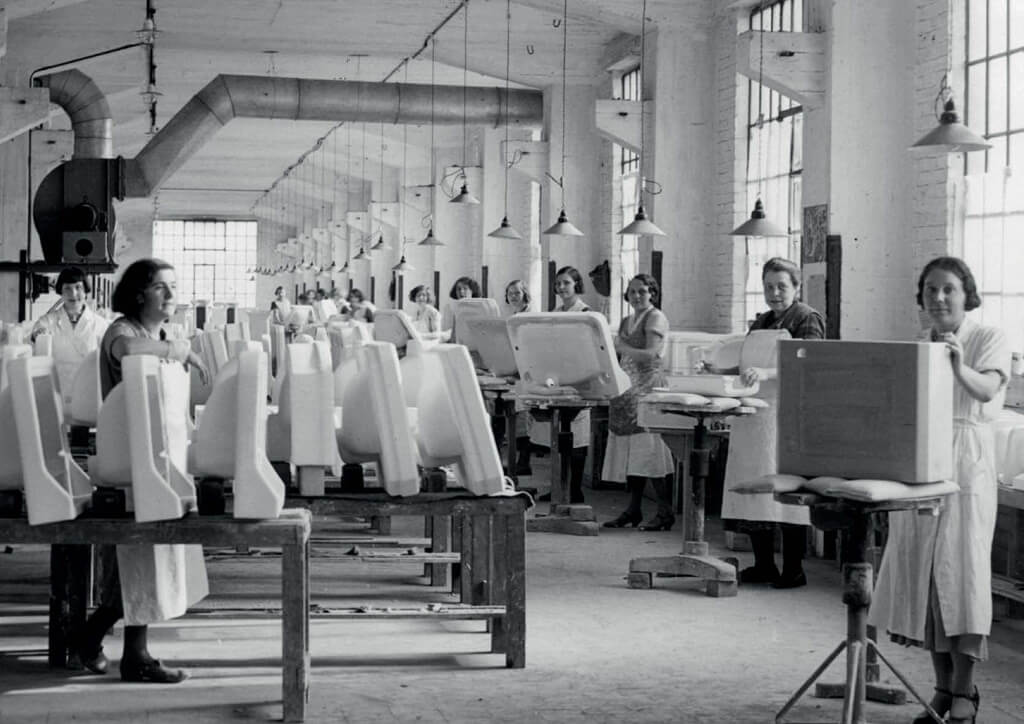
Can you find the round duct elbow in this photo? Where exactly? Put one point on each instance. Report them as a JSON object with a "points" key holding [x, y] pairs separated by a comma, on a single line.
{"points": [[87, 107]]}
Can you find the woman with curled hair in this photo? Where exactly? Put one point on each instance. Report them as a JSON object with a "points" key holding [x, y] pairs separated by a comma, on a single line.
{"points": [[934, 586], [425, 316], [463, 288], [633, 455], [141, 583], [517, 297], [752, 442], [76, 329]]}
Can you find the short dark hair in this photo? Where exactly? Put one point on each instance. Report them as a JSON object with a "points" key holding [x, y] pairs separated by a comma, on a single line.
{"points": [[420, 288], [778, 264], [957, 266], [358, 293], [129, 294], [470, 282], [278, 289], [72, 275], [521, 285], [576, 277], [648, 281]]}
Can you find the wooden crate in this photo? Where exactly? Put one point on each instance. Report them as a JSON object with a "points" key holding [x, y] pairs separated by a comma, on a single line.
{"points": [[865, 410]]}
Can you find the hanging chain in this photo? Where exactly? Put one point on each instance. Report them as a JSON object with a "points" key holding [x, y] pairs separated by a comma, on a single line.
{"points": [[565, 42]]}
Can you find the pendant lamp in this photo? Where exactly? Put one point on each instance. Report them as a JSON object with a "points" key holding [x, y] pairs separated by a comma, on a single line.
{"points": [[362, 255], [563, 227], [950, 135], [641, 224], [464, 197], [430, 239], [758, 223], [505, 230], [403, 266]]}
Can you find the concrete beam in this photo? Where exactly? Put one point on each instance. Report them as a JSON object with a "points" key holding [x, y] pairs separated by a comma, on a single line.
{"points": [[531, 158], [619, 121], [795, 64], [21, 109]]}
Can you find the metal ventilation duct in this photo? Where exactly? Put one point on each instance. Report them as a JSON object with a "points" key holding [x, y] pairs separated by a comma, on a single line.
{"points": [[301, 99], [87, 107]]}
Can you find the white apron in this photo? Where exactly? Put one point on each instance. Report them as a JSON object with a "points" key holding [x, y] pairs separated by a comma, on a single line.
{"points": [[752, 453], [71, 343], [159, 582], [954, 547]]}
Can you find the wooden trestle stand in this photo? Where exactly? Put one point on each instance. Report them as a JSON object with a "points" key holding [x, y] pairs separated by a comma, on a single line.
{"points": [[719, 574], [852, 519]]}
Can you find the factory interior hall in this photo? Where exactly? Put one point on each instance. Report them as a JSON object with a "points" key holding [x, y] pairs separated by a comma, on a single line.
{"points": [[507, 360]]}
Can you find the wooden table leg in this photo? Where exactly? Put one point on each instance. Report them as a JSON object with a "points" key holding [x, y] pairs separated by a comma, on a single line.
{"points": [[498, 590], [480, 557], [69, 591], [295, 630], [514, 529]]}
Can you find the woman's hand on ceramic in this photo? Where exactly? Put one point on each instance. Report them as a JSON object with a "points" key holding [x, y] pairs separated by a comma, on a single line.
{"points": [[197, 362], [956, 350], [752, 375]]}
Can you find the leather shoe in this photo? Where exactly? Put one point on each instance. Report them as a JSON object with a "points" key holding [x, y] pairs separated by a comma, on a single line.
{"points": [[754, 574], [151, 671], [790, 580], [96, 663]]}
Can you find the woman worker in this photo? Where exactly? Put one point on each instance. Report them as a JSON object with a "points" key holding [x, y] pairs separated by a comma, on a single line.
{"points": [[425, 316], [280, 307], [517, 301], [463, 288], [569, 287], [633, 455], [141, 583], [76, 329], [360, 308], [935, 583], [752, 443]]}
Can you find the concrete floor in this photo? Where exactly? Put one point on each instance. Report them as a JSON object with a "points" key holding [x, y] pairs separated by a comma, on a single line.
{"points": [[597, 651]]}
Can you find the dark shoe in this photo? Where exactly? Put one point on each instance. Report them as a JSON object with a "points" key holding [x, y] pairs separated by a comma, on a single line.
{"points": [[97, 662], [754, 574], [941, 702], [790, 580], [152, 672], [659, 522], [625, 518], [964, 708]]}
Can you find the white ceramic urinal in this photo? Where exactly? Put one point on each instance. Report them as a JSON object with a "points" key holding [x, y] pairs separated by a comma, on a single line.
{"points": [[453, 425], [34, 452], [259, 323], [142, 439], [231, 439], [43, 346], [376, 426], [11, 352], [85, 392]]}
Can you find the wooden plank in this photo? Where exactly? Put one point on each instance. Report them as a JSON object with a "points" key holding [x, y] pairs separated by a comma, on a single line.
{"points": [[1011, 497], [444, 611], [498, 590], [381, 504], [394, 557], [295, 629], [480, 552], [515, 591], [291, 528]]}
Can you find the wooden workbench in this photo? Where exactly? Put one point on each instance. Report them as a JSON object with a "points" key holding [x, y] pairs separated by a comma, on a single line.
{"points": [[68, 584]]}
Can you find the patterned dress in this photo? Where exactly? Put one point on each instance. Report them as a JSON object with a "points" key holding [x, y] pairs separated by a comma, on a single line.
{"points": [[632, 451]]}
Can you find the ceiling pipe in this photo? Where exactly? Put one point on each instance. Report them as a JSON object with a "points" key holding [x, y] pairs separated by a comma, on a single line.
{"points": [[302, 99], [85, 104]]}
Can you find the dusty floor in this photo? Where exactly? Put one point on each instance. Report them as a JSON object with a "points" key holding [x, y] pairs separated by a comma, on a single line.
{"points": [[597, 651]]}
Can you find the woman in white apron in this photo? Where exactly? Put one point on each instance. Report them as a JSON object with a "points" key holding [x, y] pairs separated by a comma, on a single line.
{"points": [[935, 583], [463, 288], [425, 317], [517, 301], [76, 329], [569, 287], [280, 307], [752, 441], [142, 583]]}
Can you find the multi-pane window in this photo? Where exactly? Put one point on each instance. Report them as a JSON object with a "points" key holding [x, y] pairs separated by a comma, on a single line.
{"points": [[629, 90], [774, 158], [994, 189], [210, 258]]}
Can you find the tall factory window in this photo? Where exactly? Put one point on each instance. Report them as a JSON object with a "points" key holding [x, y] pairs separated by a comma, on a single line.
{"points": [[994, 183], [629, 89], [210, 258], [774, 158]]}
